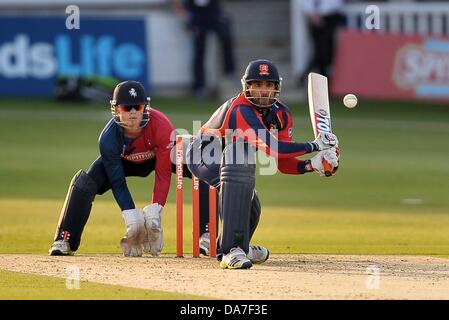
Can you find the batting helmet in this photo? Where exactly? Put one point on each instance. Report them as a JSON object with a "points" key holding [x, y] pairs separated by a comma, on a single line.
{"points": [[130, 93], [259, 70]]}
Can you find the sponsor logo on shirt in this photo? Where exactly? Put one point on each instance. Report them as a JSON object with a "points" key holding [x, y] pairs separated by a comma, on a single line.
{"points": [[139, 157]]}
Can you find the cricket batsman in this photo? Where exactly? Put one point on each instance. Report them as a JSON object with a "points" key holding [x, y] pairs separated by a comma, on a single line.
{"points": [[257, 119]]}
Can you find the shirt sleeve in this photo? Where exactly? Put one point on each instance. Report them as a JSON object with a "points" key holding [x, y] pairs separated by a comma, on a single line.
{"points": [[163, 164], [294, 166], [253, 129], [290, 165], [286, 133], [116, 174]]}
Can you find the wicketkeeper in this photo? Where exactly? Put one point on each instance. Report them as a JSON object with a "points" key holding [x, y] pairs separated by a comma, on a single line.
{"points": [[135, 142]]}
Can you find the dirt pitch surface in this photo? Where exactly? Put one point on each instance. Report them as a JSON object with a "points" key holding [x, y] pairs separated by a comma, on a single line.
{"points": [[283, 276]]}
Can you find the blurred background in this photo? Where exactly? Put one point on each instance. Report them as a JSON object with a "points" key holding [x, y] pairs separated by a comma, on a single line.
{"points": [[384, 49], [391, 194]]}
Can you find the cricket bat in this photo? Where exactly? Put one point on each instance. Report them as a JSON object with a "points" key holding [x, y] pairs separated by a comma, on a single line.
{"points": [[319, 109]]}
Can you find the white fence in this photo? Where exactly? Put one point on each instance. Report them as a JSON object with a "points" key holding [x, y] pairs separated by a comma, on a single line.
{"points": [[403, 17]]}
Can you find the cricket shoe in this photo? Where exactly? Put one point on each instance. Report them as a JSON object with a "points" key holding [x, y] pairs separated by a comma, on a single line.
{"points": [[235, 259], [60, 248], [205, 243], [258, 254]]}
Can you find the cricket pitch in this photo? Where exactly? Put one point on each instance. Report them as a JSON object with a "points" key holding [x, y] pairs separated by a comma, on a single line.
{"points": [[283, 276]]}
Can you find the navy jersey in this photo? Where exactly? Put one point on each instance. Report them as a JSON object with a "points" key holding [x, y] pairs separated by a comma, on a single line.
{"points": [[154, 143], [239, 113]]}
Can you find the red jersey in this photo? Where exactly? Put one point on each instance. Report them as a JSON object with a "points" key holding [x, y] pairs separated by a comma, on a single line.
{"points": [[239, 113], [154, 142]]}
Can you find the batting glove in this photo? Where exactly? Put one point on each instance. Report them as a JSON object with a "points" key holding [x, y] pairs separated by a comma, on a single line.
{"points": [[324, 141], [330, 155]]}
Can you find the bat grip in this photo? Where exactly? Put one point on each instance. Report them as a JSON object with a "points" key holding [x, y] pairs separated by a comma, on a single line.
{"points": [[327, 168]]}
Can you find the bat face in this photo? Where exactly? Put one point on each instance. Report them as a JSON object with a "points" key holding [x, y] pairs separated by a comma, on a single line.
{"points": [[319, 109], [322, 121], [319, 103]]}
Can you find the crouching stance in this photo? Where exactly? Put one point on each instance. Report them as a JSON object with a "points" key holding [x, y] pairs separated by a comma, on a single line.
{"points": [[135, 142], [256, 120]]}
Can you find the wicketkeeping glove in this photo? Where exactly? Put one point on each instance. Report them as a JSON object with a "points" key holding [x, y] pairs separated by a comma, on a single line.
{"points": [[154, 240], [132, 242]]}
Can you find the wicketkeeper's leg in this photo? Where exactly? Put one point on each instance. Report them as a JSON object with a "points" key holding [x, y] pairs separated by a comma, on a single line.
{"points": [[76, 209]]}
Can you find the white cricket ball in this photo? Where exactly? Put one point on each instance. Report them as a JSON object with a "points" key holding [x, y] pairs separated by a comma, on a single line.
{"points": [[350, 101]]}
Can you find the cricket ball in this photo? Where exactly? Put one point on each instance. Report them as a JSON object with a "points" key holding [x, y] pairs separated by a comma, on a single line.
{"points": [[350, 101]]}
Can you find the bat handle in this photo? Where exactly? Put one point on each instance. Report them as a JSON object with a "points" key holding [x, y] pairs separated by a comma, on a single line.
{"points": [[327, 168]]}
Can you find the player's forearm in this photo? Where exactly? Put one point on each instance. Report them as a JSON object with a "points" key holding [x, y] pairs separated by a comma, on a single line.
{"points": [[294, 149], [272, 146], [116, 176], [162, 179], [251, 127], [161, 189], [123, 197], [284, 150], [294, 166]]}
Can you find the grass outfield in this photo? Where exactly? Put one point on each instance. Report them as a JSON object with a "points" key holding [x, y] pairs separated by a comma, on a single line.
{"points": [[282, 229], [389, 197], [391, 153], [19, 286]]}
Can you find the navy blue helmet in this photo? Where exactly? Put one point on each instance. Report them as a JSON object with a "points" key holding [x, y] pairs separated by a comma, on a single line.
{"points": [[258, 70], [128, 94]]}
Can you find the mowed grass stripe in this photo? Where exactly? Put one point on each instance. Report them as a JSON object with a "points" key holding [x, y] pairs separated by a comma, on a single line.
{"points": [[180, 116], [281, 229], [22, 286]]}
